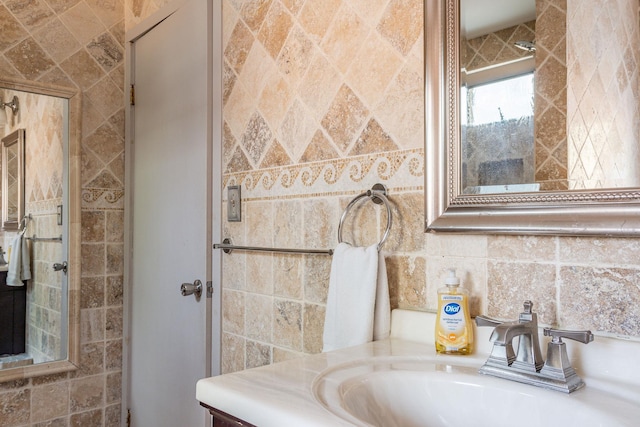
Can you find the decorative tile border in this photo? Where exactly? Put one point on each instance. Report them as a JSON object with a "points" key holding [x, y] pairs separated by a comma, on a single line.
{"points": [[394, 169], [102, 198]]}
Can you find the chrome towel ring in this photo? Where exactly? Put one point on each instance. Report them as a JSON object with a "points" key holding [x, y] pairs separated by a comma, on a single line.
{"points": [[378, 195]]}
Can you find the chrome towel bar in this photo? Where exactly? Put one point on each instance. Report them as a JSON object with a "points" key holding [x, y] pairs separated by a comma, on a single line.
{"points": [[34, 238], [227, 247], [378, 194]]}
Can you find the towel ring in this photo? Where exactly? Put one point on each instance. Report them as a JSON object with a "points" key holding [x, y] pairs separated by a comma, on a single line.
{"points": [[22, 227], [377, 194]]}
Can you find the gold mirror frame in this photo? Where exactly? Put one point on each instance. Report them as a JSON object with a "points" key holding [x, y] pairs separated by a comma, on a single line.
{"points": [[583, 212], [14, 142], [73, 132]]}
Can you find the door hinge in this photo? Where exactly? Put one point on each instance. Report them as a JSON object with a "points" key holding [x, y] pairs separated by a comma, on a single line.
{"points": [[132, 95], [128, 417], [209, 289]]}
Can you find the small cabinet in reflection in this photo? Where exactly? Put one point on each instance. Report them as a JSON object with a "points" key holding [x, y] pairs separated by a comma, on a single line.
{"points": [[13, 307]]}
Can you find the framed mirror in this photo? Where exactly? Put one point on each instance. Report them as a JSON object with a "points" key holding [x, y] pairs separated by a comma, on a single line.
{"points": [[45, 133], [13, 180], [532, 117]]}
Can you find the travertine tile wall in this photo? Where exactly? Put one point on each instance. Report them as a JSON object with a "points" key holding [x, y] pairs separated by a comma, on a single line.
{"points": [[322, 99], [497, 47], [551, 94], [603, 129], [79, 43]]}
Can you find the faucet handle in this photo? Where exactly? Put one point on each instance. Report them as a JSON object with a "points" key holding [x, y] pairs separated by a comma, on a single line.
{"points": [[556, 335], [557, 366]]}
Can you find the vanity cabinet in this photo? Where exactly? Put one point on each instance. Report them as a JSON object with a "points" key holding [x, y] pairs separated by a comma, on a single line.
{"points": [[13, 309], [222, 419]]}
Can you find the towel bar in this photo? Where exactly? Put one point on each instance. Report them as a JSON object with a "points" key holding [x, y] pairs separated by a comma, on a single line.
{"points": [[377, 194], [227, 247], [34, 238]]}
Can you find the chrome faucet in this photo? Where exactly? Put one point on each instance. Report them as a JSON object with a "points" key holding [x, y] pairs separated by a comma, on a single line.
{"points": [[526, 364]]}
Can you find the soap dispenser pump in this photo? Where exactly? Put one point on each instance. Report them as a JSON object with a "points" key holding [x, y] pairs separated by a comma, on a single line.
{"points": [[454, 330]]}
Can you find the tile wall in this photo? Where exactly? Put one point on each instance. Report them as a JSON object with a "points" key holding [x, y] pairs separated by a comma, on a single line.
{"points": [[551, 94], [602, 134], [79, 43], [323, 99]]}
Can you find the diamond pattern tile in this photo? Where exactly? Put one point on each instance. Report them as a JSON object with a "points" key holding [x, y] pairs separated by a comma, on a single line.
{"points": [[316, 72], [603, 71]]}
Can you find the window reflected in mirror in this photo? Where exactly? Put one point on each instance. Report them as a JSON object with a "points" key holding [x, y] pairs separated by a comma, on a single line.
{"points": [[497, 136]]}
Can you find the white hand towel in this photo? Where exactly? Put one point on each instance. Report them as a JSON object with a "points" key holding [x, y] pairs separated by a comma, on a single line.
{"points": [[352, 306], [19, 263]]}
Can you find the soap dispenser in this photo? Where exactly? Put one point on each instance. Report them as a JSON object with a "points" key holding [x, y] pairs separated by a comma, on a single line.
{"points": [[454, 330]]}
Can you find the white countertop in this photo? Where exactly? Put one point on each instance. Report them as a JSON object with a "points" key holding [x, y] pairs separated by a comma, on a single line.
{"points": [[282, 393]]}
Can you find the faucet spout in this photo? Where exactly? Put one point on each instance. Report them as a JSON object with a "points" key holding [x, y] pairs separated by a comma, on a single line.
{"points": [[506, 332], [528, 357]]}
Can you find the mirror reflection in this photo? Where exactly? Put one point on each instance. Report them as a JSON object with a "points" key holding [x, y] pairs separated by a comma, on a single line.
{"points": [[548, 97], [34, 316]]}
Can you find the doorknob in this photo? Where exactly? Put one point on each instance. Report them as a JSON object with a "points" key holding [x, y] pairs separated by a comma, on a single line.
{"points": [[60, 266], [191, 288]]}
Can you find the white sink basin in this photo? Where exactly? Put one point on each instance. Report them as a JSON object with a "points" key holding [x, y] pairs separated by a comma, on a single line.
{"points": [[407, 392]]}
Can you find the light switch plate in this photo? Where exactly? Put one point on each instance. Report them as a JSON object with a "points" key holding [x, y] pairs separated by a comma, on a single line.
{"points": [[234, 204]]}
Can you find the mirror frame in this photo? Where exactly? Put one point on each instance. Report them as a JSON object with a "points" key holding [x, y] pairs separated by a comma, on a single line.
{"points": [[611, 212], [73, 131], [16, 138]]}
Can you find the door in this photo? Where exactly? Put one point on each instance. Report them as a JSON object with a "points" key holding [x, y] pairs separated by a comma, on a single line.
{"points": [[170, 205]]}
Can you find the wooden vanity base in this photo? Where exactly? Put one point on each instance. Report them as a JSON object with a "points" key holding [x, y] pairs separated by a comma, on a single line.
{"points": [[222, 419]]}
